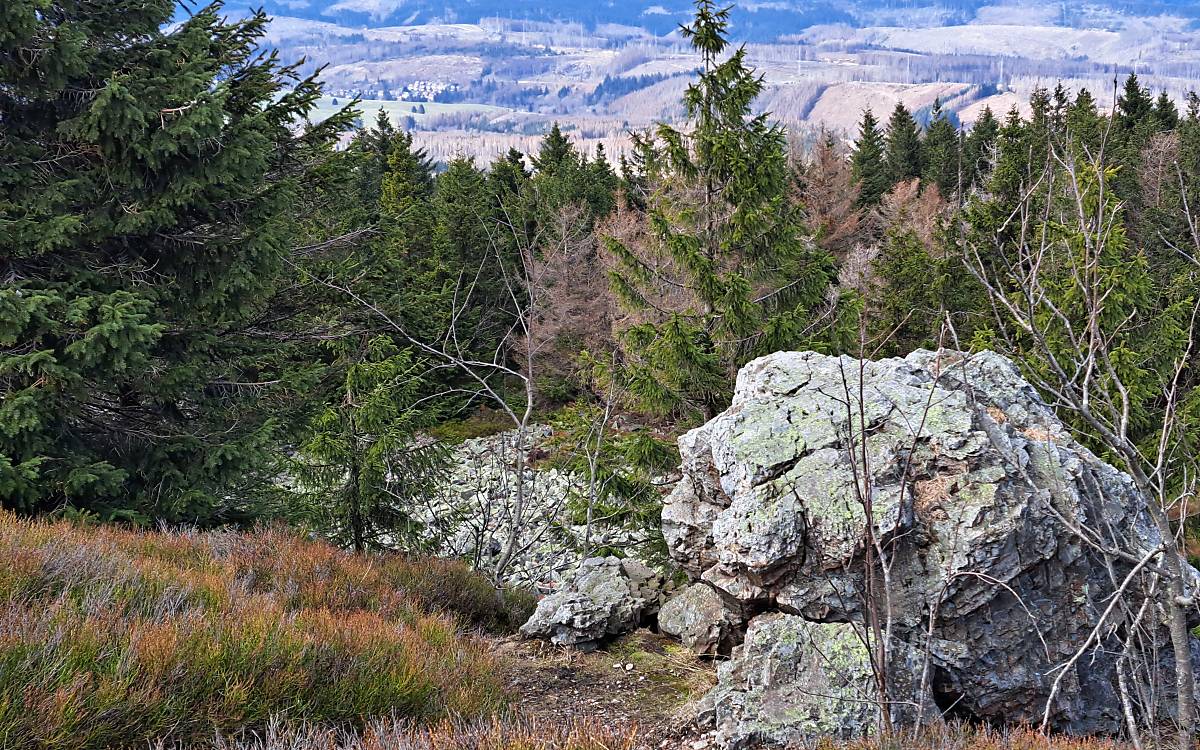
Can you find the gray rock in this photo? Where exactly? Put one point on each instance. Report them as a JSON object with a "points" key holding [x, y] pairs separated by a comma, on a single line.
{"points": [[973, 485], [469, 515], [702, 619], [793, 677], [608, 596]]}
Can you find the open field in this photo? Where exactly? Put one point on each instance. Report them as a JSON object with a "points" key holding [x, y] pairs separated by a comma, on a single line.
{"points": [[398, 111]]}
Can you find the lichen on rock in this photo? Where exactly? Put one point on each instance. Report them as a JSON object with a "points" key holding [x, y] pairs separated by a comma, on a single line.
{"points": [[974, 488], [607, 597]]}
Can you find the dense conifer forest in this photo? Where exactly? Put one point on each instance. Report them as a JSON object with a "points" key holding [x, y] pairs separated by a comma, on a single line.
{"points": [[204, 294]]}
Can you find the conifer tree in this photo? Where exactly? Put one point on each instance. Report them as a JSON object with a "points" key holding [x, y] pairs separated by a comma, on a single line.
{"points": [[1134, 105], [869, 170], [1189, 149], [904, 311], [406, 273], [979, 149], [601, 182], [507, 174], [903, 146], [1083, 125], [724, 272], [939, 153], [147, 171], [1134, 124], [555, 153], [370, 149], [635, 167], [468, 234], [988, 215], [1059, 106], [1166, 114], [361, 465]]}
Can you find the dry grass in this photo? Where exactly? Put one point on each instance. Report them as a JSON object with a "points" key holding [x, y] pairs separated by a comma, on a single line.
{"points": [[516, 734], [491, 734], [113, 638], [958, 736]]}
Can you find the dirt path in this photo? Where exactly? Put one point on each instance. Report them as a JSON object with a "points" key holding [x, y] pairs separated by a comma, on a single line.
{"points": [[643, 680]]}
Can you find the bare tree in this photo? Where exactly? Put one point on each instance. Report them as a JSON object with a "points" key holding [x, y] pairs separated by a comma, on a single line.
{"points": [[1056, 290]]}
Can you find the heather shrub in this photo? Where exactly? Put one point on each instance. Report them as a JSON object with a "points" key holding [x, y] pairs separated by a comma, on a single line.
{"points": [[113, 638]]}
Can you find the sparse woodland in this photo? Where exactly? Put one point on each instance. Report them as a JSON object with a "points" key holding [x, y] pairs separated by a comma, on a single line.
{"points": [[212, 317]]}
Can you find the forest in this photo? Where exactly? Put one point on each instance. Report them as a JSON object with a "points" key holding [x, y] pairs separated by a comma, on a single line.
{"points": [[203, 297], [218, 314]]}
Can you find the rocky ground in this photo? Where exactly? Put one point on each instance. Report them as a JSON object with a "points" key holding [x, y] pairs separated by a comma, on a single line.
{"points": [[643, 681]]}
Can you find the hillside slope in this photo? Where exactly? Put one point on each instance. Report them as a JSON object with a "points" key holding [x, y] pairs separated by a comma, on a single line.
{"points": [[111, 637]]}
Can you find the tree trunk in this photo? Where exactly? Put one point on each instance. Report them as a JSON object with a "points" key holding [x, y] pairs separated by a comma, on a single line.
{"points": [[1181, 640]]}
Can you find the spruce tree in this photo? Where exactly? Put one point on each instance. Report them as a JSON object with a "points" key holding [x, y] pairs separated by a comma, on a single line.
{"points": [[555, 153], [1189, 149], [1040, 129], [988, 214], [869, 170], [370, 149], [939, 153], [507, 174], [980, 147], [602, 183], [1059, 106], [1084, 126], [1166, 114], [903, 146], [1134, 105], [1135, 123], [904, 313], [474, 251], [724, 273], [361, 465], [147, 171]]}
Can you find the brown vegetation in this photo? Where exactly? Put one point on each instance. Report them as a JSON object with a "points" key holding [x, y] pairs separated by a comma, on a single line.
{"points": [[112, 637]]}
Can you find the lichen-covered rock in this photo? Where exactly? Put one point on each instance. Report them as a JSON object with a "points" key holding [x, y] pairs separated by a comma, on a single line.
{"points": [[475, 513], [972, 486], [793, 677], [608, 596], [702, 619]]}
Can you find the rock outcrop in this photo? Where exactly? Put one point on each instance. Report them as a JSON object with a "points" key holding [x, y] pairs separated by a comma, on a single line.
{"points": [[475, 514], [607, 597], [977, 494]]}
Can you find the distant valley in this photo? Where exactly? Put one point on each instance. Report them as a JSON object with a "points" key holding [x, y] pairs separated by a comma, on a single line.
{"points": [[493, 74]]}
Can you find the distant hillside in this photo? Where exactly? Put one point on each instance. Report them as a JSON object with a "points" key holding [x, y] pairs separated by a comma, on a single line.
{"points": [[756, 21], [498, 74]]}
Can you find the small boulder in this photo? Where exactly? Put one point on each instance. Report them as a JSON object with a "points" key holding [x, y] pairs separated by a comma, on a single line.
{"points": [[608, 596], [702, 619]]}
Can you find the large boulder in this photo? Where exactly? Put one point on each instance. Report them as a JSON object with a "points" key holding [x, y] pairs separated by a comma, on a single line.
{"points": [[608, 596], [976, 493]]}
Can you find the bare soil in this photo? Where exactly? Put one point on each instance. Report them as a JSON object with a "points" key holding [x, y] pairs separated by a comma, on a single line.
{"points": [[643, 681]]}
